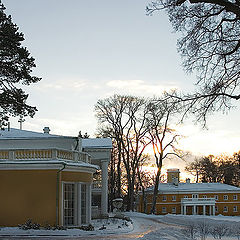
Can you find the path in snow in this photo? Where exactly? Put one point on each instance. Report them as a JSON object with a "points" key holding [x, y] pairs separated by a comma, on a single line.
{"points": [[144, 229]]}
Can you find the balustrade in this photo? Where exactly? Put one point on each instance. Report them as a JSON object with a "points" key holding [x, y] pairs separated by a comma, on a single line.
{"points": [[196, 199], [44, 154], [4, 155]]}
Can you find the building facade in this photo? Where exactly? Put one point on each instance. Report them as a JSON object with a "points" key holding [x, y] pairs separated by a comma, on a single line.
{"points": [[49, 178], [187, 198]]}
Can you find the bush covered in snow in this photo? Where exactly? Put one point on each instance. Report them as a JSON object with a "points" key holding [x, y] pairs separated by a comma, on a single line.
{"points": [[202, 228], [36, 226]]}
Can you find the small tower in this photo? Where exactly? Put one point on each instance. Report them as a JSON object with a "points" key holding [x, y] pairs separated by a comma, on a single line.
{"points": [[21, 120], [46, 130], [173, 175]]}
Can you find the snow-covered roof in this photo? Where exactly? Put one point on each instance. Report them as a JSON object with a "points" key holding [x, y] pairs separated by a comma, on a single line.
{"points": [[49, 162], [97, 143], [14, 133], [195, 187]]}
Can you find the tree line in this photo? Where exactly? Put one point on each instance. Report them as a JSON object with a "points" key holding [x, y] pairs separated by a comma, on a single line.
{"points": [[222, 168]]}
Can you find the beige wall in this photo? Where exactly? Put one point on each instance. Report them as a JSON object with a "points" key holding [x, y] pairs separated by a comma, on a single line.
{"points": [[27, 194], [31, 194], [76, 176]]}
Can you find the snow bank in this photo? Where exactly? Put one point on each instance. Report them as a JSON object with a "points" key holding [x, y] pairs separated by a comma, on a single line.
{"points": [[101, 226]]}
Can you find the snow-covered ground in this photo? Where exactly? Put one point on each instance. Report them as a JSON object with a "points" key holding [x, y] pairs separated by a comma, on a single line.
{"points": [[143, 226], [172, 226], [101, 226]]}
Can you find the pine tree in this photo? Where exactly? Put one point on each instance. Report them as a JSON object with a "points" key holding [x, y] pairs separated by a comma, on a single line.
{"points": [[15, 69]]}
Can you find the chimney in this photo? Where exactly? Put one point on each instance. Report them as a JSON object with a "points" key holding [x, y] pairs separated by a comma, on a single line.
{"points": [[46, 130], [173, 175]]}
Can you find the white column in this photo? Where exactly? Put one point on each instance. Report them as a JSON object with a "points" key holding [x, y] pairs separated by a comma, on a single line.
{"points": [[88, 203], [194, 210], [204, 210], [210, 210], [11, 155], [213, 210], [79, 221], [76, 209], [184, 210], [104, 193], [54, 154]]}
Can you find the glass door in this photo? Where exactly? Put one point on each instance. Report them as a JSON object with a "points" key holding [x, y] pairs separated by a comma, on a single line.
{"points": [[83, 203], [68, 203]]}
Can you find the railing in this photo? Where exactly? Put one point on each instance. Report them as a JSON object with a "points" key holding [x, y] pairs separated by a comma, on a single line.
{"points": [[44, 154], [31, 154], [198, 200], [4, 155]]}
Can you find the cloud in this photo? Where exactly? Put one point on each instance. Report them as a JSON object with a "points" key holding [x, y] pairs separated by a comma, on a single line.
{"points": [[203, 142], [70, 84], [139, 87]]}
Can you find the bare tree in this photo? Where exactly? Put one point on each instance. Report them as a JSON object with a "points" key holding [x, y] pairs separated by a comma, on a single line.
{"points": [[210, 47], [203, 229], [109, 113], [145, 179], [235, 230], [124, 118], [190, 230], [219, 230], [134, 123], [194, 168], [163, 137], [222, 168]]}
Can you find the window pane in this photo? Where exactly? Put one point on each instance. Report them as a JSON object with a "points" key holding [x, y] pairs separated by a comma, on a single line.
{"points": [[68, 204], [83, 203]]}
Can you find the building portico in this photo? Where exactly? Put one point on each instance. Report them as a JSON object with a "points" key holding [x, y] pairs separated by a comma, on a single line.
{"points": [[198, 206]]}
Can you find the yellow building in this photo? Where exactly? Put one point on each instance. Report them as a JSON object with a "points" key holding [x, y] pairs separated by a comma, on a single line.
{"points": [[193, 198], [48, 178]]}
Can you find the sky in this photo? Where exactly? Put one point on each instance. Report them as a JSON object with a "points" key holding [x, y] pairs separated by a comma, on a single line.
{"points": [[90, 50]]}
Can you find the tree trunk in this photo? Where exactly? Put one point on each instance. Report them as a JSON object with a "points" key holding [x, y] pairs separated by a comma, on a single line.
{"points": [[129, 191], [155, 191], [119, 172], [132, 192], [144, 199]]}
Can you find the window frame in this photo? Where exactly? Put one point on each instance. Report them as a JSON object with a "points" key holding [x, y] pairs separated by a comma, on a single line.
{"points": [[174, 210], [225, 197], [164, 198], [235, 208], [79, 218], [164, 210], [225, 209], [195, 195]]}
